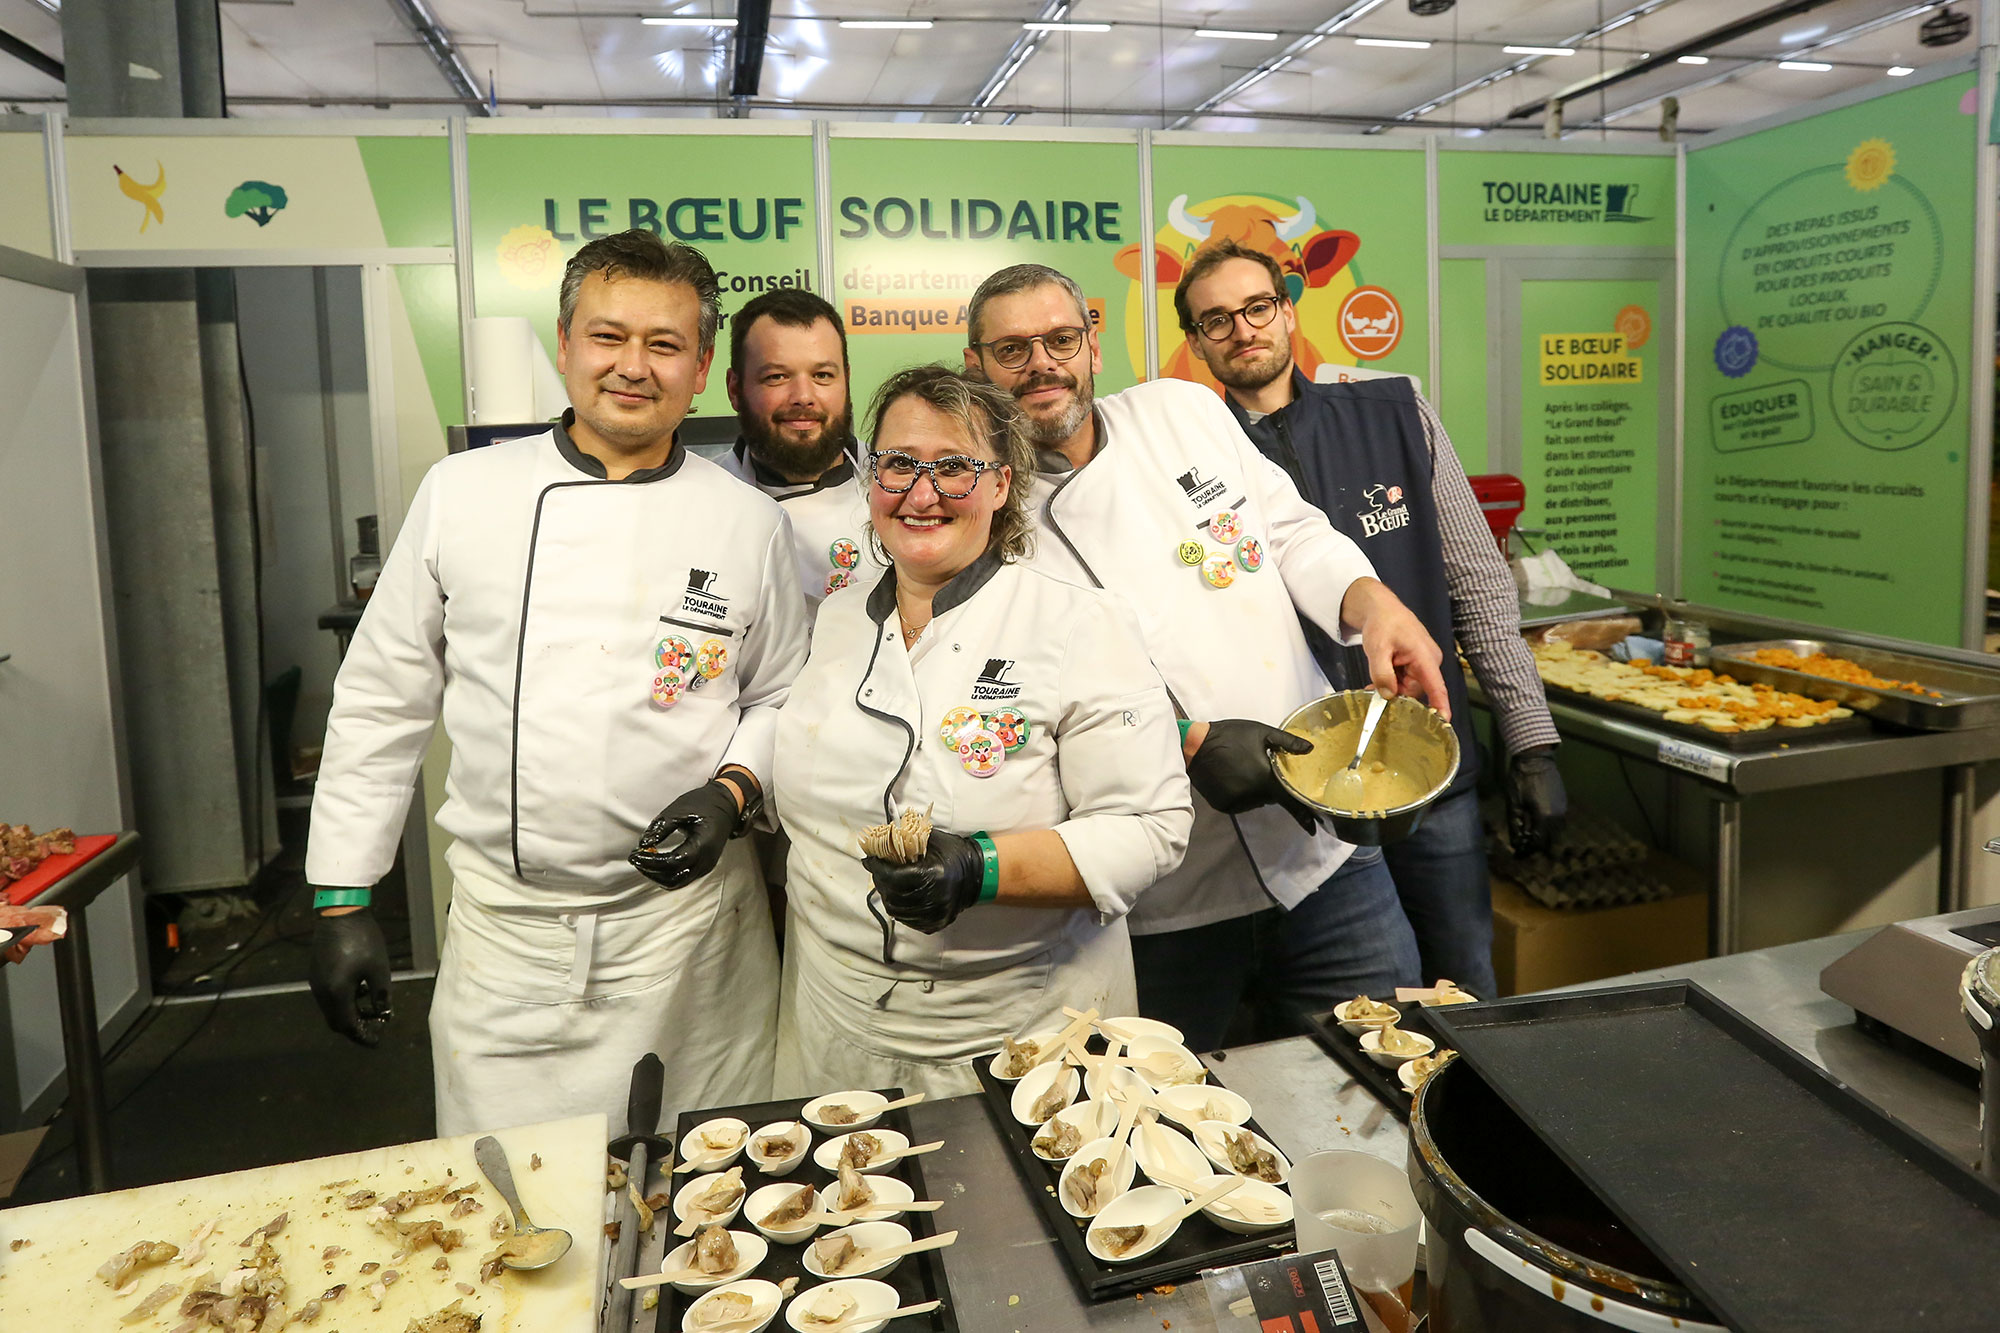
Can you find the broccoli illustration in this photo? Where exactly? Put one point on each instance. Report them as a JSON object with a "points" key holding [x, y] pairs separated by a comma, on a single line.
{"points": [[256, 200]]}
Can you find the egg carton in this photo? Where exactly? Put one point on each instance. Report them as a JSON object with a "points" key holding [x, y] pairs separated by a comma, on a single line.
{"points": [[1589, 843], [1613, 886]]}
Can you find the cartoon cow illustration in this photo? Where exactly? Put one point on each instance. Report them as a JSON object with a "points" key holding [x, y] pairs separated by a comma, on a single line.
{"points": [[1314, 260]]}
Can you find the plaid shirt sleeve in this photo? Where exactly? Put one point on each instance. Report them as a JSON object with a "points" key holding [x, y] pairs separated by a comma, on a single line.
{"points": [[1485, 608]]}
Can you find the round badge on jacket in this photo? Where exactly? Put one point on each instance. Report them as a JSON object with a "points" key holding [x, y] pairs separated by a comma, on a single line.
{"points": [[668, 687], [1218, 571], [1010, 725], [1192, 552], [673, 653], [844, 554], [837, 580], [1250, 555], [714, 656], [957, 720], [980, 751], [1226, 526]]}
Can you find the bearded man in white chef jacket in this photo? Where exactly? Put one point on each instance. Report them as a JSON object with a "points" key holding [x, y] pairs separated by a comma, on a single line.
{"points": [[1156, 493], [599, 616], [788, 381]]}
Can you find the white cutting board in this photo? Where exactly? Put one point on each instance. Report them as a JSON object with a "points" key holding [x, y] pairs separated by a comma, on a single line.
{"points": [[50, 1284]]}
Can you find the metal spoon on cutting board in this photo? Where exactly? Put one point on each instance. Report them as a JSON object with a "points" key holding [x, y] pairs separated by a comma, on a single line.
{"points": [[530, 1247]]}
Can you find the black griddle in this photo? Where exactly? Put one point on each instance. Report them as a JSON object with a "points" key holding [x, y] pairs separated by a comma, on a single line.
{"points": [[1781, 1199]]}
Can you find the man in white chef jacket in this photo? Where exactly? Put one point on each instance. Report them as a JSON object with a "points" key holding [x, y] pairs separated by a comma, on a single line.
{"points": [[1156, 493], [795, 442], [599, 617]]}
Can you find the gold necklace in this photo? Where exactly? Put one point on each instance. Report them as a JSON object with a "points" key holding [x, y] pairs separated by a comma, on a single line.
{"points": [[910, 633]]}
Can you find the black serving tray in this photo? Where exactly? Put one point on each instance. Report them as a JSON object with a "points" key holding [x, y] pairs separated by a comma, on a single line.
{"points": [[1347, 1053], [1736, 742], [1779, 1197], [917, 1279], [1199, 1243]]}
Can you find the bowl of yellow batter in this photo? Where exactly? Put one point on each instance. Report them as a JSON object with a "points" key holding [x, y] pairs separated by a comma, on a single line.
{"points": [[1410, 761]]}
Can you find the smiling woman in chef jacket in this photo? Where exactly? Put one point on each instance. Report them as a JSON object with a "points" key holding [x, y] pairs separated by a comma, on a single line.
{"points": [[1022, 713]]}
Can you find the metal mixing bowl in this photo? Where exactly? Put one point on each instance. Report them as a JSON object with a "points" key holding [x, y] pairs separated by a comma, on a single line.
{"points": [[1423, 744]]}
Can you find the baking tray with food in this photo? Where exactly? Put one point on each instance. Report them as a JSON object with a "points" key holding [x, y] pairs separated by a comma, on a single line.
{"points": [[1217, 1193], [1903, 688], [1352, 1033], [803, 1259], [1701, 704], [1779, 1197]]}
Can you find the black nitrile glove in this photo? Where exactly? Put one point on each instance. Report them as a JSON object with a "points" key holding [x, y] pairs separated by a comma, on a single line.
{"points": [[929, 893], [1537, 805], [708, 816], [350, 974], [1232, 769]]}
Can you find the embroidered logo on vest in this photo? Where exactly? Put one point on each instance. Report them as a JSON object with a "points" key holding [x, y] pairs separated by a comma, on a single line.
{"points": [[1386, 511]]}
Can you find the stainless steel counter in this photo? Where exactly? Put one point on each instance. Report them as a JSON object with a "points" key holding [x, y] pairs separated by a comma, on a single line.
{"points": [[1008, 1277]]}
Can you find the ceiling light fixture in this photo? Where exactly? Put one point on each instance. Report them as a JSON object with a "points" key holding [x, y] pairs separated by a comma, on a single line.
{"points": [[1805, 66], [688, 21], [1944, 28], [913, 25], [1236, 34], [1067, 27], [1898, 71], [1396, 42], [1539, 50], [1692, 60]]}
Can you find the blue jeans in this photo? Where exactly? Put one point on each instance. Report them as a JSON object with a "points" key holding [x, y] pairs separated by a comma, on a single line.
{"points": [[1349, 938], [1440, 873]]}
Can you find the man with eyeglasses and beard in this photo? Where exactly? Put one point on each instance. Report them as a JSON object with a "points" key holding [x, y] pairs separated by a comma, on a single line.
{"points": [[1155, 493], [1375, 457], [788, 382]]}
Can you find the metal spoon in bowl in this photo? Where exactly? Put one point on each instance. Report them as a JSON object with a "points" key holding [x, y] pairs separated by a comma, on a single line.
{"points": [[530, 1247], [1344, 790]]}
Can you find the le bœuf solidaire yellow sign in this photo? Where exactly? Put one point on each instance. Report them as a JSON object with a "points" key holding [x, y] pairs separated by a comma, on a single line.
{"points": [[1588, 358]]}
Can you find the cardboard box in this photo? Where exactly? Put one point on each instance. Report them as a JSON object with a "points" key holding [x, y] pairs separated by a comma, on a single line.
{"points": [[1537, 947]]}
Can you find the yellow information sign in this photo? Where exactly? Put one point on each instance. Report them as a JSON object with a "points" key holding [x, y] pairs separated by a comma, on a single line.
{"points": [[1588, 358]]}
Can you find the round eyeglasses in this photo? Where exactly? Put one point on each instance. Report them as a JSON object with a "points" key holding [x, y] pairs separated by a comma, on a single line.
{"points": [[954, 476], [1012, 353], [1215, 327]]}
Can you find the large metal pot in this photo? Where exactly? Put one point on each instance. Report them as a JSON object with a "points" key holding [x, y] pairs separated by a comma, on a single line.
{"points": [[1423, 743], [1516, 1240]]}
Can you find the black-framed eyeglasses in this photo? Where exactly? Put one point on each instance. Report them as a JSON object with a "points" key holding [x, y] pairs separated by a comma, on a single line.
{"points": [[954, 476], [1215, 327], [1061, 344]]}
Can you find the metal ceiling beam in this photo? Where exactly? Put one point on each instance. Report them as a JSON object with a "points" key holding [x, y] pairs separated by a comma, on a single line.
{"points": [[1750, 63], [1521, 66], [753, 29], [1348, 13], [29, 56], [1010, 64], [1714, 37], [444, 52], [779, 104]]}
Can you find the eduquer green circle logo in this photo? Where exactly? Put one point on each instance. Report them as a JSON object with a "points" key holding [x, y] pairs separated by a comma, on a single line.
{"points": [[1893, 386]]}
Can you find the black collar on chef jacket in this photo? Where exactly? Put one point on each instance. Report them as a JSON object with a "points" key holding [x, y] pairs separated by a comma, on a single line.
{"points": [[592, 467], [957, 592], [783, 488]]}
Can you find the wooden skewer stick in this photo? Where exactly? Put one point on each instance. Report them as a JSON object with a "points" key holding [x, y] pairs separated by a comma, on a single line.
{"points": [[864, 1320], [874, 1259]]}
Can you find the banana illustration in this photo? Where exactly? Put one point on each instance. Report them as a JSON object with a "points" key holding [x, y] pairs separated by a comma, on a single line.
{"points": [[149, 195]]}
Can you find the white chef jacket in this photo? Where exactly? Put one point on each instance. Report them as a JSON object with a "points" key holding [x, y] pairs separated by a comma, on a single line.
{"points": [[862, 741], [1172, 470], [526, 601], [830, 527]]}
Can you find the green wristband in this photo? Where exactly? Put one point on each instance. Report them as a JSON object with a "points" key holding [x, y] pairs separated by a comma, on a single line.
{"points": [[989, 880], [340, 898], [1185, 724]]}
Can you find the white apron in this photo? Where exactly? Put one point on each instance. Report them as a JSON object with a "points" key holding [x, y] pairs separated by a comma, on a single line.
{"points": [[540, 1015]]}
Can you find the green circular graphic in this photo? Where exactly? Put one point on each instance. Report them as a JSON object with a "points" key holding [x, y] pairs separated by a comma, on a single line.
{"points": [[1893, 385], [1815, 258]]}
